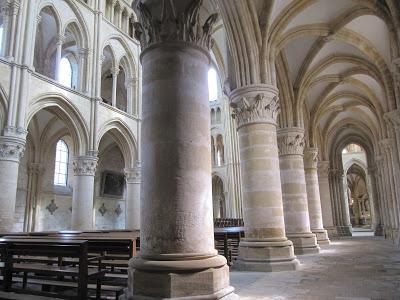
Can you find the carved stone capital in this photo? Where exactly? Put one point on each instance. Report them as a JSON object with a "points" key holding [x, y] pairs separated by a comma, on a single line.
{"points": [[11, 148], [323, 168], [172, 21], [114, 71], [133, 175], [291, 141], [84, 53], [386, 145], [35, 168], [255, 104], [85, 165], [396, 69], [311, 158], [393, 118], [336, 173]]}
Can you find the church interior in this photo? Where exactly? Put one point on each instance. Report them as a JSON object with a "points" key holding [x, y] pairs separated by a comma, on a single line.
{"points": [[200, 149]]}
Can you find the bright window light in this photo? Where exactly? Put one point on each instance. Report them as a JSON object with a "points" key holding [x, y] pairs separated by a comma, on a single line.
{"points": [[61, 165], [212, 85], [65, 72]]}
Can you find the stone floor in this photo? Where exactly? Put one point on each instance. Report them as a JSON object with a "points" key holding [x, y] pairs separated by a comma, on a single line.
{"points": [[357, 268]]}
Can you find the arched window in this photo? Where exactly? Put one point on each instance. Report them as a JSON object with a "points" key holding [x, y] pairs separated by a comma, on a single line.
{"points": [[61, 165], [65, 72], [212, 85]]}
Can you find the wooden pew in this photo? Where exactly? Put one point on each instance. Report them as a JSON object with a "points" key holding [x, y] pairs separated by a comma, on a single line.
{"points": [[54, 248], [227, 242]]}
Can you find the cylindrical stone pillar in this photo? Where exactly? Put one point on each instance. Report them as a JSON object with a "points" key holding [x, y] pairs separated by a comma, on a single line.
{"points": [[265, 246], [83, 192], [11, 151], [177, 258], [132, 199], [325, 196], [294, 191], [340, 216], [313, 195]]}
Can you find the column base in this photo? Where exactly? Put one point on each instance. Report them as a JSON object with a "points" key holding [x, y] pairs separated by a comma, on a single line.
{"points": [[378, 231], [322, 236], [344, 230], [266, 255], [304, 243], [201, 278]]}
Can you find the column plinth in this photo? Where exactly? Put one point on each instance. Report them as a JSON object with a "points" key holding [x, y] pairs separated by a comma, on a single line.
{"points": [[11, 151], [83, 192], [313, 195], [177, 258], [265, 246], [295, 205]]}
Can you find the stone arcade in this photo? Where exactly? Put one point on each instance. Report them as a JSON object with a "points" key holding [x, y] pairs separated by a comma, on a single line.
{"points": [[169, 118]]}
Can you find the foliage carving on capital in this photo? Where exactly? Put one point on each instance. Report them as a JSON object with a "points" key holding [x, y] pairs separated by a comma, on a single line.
{"points": [[85, 166], [173, 26], [323, 168], [291, 142], [133, 175], [311, 158], [258, 109], [11, 150]]}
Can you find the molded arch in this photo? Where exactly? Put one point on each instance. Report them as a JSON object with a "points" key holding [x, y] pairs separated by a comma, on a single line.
{"points": [[68, 113], [57, 16], [128, 53], [124, 137]]}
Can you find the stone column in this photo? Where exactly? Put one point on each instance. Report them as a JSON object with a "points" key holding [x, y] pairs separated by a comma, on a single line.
{"points": [[132, 198], [177, 258], [130, 88], [313, 195], [374, 204], [265, 246], [58, 56], [83, 193], [114, 72], [14, 8], [325, 196], [11, 151], [295, 205], [83, 70], [5, 13], [340, 219], [386, 221], [113, 3]]}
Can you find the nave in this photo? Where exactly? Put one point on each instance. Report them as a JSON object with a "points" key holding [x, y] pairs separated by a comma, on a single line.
{"points": [[361, 267]]}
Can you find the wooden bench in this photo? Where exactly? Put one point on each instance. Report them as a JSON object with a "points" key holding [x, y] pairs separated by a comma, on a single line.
{"points": [[51, 271], [227, 242]]}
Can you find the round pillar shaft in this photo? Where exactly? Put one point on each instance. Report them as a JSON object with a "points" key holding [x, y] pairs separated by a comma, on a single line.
{"points": [[295, 205], [313, 195], [11, 151], [177, 256], [132, 217], [265, 246], [83, 193]]}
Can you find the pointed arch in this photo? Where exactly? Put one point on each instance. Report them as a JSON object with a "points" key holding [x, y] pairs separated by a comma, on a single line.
{"points": [[123, 136], [68, 113]]}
